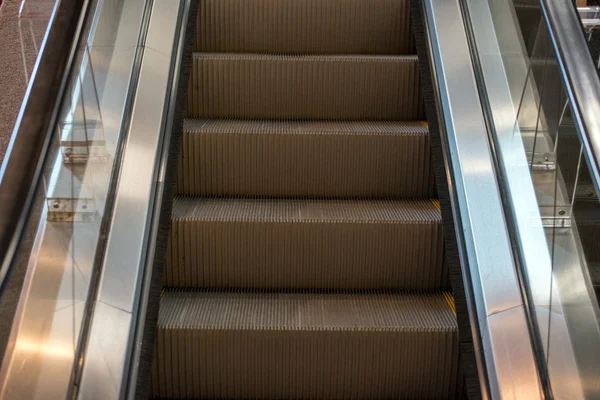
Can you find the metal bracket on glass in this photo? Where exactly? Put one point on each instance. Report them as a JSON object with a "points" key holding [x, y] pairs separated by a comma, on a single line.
{"points": [[542, 161], [590, 16], [556, 216], [83, 152], [68, 210], [79, 144], [70, 196]]}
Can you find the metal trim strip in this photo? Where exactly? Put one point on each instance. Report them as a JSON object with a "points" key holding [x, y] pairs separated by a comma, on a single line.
{"points": [[110, 349], [488, 259]]}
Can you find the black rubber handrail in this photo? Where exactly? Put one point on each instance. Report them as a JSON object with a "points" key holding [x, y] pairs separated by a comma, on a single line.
{"points": [[33, 130]]}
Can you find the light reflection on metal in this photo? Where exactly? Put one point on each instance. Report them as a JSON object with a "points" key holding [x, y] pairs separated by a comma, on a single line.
{"points": [[507, 359], [106, 371], [51, 349]]}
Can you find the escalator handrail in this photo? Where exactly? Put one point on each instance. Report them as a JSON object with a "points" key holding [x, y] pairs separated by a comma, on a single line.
{"points": [[32, 133], [579, 73]]}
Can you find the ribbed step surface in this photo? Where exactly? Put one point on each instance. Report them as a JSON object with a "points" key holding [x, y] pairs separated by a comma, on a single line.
{"points": [[305, 346], [305, 257], [258, 86], [304, 26], [293, 158], [246, 243]]}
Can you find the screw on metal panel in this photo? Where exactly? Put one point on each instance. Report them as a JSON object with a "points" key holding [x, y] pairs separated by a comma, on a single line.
{"points": [[56, 204], [562, 212]]}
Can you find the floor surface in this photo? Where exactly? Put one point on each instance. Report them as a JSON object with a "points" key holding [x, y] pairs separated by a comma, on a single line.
{"points": [[20, 39]]}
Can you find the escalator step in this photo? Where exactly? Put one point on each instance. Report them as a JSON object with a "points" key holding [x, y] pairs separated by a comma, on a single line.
{"points": [[258, 86], [306, 26], [293, 158], [326, 244], [241, 345]]}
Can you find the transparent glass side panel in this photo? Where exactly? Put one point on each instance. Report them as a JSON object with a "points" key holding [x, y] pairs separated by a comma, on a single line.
{"points": [[36, 8], [551, 202], [20, 45], [70, 217], [32, 30]]}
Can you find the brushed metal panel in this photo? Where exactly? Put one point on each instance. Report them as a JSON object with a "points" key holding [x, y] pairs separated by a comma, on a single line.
{"points": [[489, 255], [124, 252]]}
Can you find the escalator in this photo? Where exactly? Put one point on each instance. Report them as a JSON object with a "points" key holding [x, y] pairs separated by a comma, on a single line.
{"points": [[306, 251], [304, 199]]}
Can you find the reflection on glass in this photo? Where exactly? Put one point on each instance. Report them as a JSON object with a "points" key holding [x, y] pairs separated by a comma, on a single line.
{"points": [[71, 221], [36, 8], [31, 34], [550, 198], [590, 19]]}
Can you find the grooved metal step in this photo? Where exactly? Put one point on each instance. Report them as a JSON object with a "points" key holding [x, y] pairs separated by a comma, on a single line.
{"points": [[318, 244], [305, 259], [294, 158], [306, 26], [257, 86], [243, 345]]}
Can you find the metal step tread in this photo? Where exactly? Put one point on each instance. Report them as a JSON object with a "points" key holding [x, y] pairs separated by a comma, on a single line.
{"points": [[309, 58], [308, 26], [314, 127], [237, 310], [396, 211], [260, 345], [331, 87], [305, 244], [327, 159]]}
